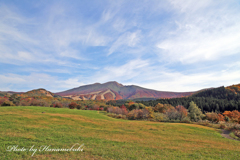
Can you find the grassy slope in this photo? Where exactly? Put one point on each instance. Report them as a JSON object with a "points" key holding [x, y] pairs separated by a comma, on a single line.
{"points": [[107, 138]]}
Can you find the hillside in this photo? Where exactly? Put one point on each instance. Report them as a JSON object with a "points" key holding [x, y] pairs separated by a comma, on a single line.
{"points": [[105, 137], [213, 99], [116, 91], [37, 92]]}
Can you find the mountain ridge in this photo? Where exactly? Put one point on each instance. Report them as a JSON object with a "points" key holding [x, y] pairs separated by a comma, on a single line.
{"points": [[118, 91]]}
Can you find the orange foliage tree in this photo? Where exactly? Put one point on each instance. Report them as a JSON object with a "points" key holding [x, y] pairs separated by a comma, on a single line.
{"points": [[163, 108], [182, 110], [234, 115]]}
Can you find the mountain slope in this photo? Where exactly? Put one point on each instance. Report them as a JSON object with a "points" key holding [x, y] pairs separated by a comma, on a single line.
{"points": [[38, 92], [115, 91]]}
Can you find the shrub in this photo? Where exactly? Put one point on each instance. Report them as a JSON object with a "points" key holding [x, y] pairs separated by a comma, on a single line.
{"points": [[80, 106], [117, 110], [160, 117], [204, 122], [24, 103], [2, 100], [134, 114], [39, 102], [162, 108], [234, 116], [182, 111], [173, 114], [212, 116], [58, 105], [185, 120], [72, 105], [105, 108], [7, 103], [237, 133], [222, 126], [134, 106], [95, 107], [150, 112]]}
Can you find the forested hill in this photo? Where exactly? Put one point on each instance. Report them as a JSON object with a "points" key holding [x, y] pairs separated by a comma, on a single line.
{"points": [[229, 93], [216, 99]]}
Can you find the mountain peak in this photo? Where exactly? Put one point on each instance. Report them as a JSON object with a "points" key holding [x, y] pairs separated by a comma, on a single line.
{"points": [[114, 83], [113, 90]]}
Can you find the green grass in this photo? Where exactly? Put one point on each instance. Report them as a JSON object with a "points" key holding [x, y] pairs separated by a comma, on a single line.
{"points": [[105, 137]]}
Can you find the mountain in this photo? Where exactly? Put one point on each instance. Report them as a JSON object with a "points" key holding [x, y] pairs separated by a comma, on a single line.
{"points": [[115, 91], [38, 92]]}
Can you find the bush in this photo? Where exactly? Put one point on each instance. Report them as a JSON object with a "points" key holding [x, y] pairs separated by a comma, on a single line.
{"points": [[24, 103], [80, 106], [105, 108], [162, 108], [182, 111], [3, 100], [7, 103], [138, 114], [185, 120], [37, 102], [222, 126], [204, 122], [237, 133], [58, 105], [72, 105], [214, 117], [117, 110], [160, 117], [173, 114], [234, 116], [95, 107]]}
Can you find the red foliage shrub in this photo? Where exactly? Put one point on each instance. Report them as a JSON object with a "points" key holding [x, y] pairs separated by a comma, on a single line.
{"points": [[72, 105], [95, 107], [117, 110], [138, 114], [182, 110]]}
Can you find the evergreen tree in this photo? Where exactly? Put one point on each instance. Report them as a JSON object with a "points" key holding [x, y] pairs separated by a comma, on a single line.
{"points": [[195, 113]]}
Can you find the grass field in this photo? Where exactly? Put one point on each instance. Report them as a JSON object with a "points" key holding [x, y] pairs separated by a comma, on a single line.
{"points": [[105, 137]]}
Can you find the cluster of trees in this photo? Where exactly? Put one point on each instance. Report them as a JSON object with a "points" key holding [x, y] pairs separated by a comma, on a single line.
{"points": [[169, 113], [211, 100], [160, 112], [97, 107], [45, 101]]}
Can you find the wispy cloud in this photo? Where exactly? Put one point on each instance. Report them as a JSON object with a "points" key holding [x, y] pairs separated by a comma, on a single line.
{"points": [[35, 81], [178, 45], [126, 40], [203, 32], [124, 72]]}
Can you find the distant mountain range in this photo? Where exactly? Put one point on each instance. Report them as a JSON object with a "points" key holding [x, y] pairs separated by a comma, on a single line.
{"points": [[116, 91], [112, 91]]}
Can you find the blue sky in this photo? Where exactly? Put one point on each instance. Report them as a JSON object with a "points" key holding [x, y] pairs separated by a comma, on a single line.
{"points": [[168, 45]]}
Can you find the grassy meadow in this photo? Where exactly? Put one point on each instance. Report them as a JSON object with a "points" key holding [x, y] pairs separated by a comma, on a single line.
{"points": [[105, 137]]}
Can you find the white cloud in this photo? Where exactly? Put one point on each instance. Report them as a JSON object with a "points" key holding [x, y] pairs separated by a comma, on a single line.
{"points": [[128, 39], [177, 81], [124, 72], [35, 81], [203, 32], [184, 35]]}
